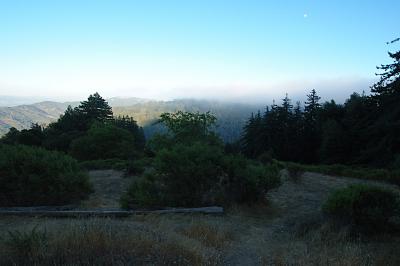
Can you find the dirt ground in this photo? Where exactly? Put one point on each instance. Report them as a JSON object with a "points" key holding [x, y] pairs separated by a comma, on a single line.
{"points": [[108, 187], [288, 230]]}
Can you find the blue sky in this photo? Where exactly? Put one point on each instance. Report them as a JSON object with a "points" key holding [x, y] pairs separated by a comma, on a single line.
{"points": [[248, 50]]}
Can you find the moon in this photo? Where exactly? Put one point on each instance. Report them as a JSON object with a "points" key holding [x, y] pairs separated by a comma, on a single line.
{"points": [[305, 15]]}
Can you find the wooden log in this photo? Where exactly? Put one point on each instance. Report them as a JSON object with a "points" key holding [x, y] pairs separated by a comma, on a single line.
{"points": [[106, 213]]}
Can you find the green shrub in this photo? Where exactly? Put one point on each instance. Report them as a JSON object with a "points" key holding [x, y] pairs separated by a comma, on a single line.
{"points": [[137, 167], [144, 192], [190, 168], [198, 175], [248, 181], [34, 176], [188, 172], [366, 207], [266, 157], [391, 176], [184, 175], [396, 162], [25, 244], [104, 141], [295, 171]]}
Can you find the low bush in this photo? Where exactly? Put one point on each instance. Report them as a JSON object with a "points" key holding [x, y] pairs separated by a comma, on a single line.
{"points": [[295, 171], [34, 176], [266, 157], [103, 141], [190, 168], [391, 176], [366, 207], [188, 172], [143, 192], [138, 166], [194, 176], [248, 181]]}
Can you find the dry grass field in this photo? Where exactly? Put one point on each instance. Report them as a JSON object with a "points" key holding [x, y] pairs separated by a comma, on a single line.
{"points": [[288, 229]]}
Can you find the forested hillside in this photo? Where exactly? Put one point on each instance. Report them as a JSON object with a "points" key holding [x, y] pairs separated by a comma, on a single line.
{"points": [[231, 116], [365, 130], [23, 116]]}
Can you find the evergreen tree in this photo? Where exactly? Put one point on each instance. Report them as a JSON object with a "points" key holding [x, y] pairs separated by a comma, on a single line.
{"points": [[311, 134], [312, 106], [286, 105], [332, 149], [75, 122], [96, 108], [285, 117], [128, 123], [297, 133], [389, 79], [383, 132], [253, 137]]}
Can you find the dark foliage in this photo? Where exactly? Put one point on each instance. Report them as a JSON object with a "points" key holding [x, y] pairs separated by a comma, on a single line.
{"points": [[95, 109], [190, 168], [185, 174], [89, 132], [34, 176], [32, 137], [138, 166], [365, 130], [103, 141], [144, 192], [247, 181], [116, 164], [368, 208], [128, 123]]}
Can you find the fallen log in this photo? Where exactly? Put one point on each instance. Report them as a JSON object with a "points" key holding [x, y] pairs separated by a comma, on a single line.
{"points": [[105, 213]]}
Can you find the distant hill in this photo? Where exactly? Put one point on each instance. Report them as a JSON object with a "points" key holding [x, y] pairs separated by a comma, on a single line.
{"points": [[119, 101], [231, 116], [8, 101], [22, 116]]}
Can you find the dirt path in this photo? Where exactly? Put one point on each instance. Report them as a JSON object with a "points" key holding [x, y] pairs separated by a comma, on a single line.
{"points": [[108, 187], [258, 235], [295, 204]]}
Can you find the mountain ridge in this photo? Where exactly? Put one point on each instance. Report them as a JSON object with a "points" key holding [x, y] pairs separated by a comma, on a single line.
{"points": [[231, 117]]}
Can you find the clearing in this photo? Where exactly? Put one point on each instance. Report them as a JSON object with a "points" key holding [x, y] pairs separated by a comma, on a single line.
{"points": [[288, 230]]}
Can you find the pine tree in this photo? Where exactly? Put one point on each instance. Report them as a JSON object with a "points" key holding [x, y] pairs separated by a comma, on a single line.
{"points": [[96, 108], [382, 135], [253, 136], [286, 104], [297, 133], [311, 130], [389, 81], [285, 127], [130, 124], [312, 106]]}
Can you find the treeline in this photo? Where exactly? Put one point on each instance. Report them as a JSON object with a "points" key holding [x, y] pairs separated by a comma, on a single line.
{"points": [[87, 132], [36, 167], [365, 130], [231, 117], [185, 165], [189, 167]]}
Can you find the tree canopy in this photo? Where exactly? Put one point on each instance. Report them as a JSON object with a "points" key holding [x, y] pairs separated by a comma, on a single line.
{"points": [[88, 131], [365, 130]]}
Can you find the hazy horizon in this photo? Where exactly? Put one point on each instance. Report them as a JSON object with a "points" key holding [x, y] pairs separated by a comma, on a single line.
{"points": [[242, 51]]}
